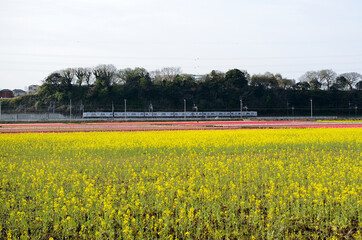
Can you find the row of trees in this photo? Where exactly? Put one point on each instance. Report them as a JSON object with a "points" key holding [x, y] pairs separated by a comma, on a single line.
{"points": [[107, 75], [166, 88], [104, 84], [328, 79]]}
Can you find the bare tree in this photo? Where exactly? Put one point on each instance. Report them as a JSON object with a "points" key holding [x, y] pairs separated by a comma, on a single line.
{"points": [[327, 77], [309, 76], [352, 78], [83, 75], [105, 75], [266, 80], [316, 79], [88, 76], [169, 73], [359, 85], [131, 76], [156, 75], [80, 73], [286, 83], [67, 76]]}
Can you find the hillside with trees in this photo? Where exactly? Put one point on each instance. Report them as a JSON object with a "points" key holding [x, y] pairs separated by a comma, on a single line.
{"points": [[104, 86]]}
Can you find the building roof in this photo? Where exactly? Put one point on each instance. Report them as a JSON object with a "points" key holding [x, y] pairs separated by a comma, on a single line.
{"points": [[18, 90]]}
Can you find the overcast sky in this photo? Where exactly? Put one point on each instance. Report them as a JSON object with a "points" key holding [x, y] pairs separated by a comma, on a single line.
{"points": [[290, 37]]}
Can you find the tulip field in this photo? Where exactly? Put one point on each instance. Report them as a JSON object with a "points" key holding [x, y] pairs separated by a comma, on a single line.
{"points": [[303, 183]]}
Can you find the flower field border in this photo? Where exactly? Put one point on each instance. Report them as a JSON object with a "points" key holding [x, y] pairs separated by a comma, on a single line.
{"points": [[160, 126]]}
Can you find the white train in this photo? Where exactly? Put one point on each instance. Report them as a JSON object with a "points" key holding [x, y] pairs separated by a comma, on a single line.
{"points": [[234, 114]]}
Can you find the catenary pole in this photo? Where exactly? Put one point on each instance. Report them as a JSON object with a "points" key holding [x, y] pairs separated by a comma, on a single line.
{"points": [[184, 108], [125, 109]]}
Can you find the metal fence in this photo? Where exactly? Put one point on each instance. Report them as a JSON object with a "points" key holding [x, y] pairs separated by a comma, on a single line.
{"points": [[75, 111]]}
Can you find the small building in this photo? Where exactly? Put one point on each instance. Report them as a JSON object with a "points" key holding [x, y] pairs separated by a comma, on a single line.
{"points": [[198, 77], [32, 89], [18, 92], [6, 93]]}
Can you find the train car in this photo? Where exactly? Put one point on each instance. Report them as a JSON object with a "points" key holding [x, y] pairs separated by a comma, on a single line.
{"points": [[118, 114], [197, 114], [129, 114], [135, 114], [250, 114], [148, 114], [209, 114], [224, 114], [97, 114], [167, 114], [188, 114], [235, 114], [179, 114], [105, 114], [217, 114], [163, 114], [244, 114], [87, 114]]}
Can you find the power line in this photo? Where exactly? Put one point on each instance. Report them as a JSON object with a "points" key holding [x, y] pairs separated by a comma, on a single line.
{"points": [[180, 58]]}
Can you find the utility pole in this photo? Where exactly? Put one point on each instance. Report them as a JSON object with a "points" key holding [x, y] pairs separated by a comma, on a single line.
{"points": [[125, 109], [112, 111], [241, 108], [184, 108], [311, 108], [0, 110], [195, 108], [70, 109], [150, 109], [355, 110], [81, 108]]}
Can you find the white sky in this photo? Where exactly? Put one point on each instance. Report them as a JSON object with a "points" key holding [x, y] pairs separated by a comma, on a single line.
{"points": [[289, 37]]}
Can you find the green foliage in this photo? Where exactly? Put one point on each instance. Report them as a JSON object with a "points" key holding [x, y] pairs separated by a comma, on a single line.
{"points": [[266, 93], [236, 78]]}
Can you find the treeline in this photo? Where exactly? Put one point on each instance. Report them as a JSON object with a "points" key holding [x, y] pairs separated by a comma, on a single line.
{"points": [[100, 87]]}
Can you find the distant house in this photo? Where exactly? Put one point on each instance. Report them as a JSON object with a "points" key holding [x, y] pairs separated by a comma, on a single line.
{"points": [[33, 89], [198, 77], [6, 93], [18, 92]]}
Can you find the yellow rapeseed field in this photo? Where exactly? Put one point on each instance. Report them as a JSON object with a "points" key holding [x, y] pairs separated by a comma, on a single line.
{"points": [[225, 184]]}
